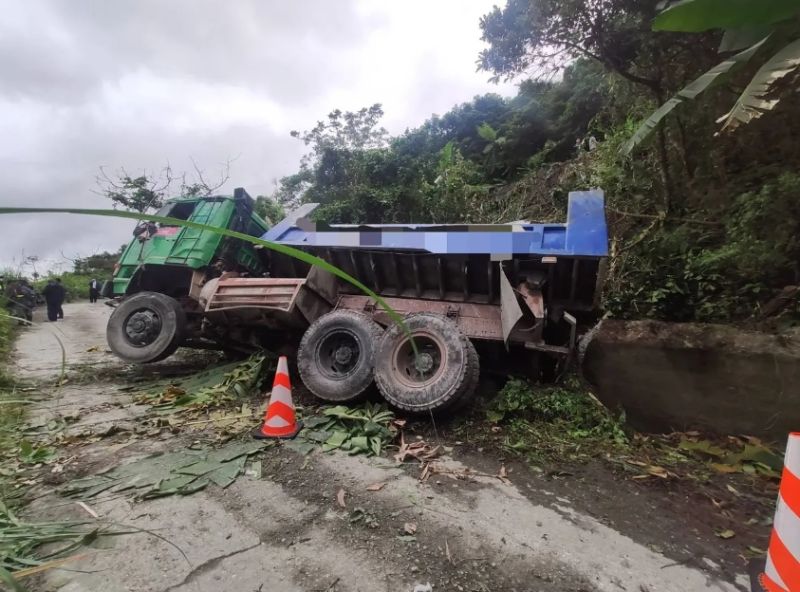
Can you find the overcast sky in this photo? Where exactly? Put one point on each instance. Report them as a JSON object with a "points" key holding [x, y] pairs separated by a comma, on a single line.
{"points": [[138, 84]]}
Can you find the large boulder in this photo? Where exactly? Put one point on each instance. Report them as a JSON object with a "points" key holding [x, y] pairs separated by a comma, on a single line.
{"points": [[669, 376]]}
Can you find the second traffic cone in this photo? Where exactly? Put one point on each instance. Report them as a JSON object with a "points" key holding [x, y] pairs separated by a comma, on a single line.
{"points": [[280, 420], [782, 570]]}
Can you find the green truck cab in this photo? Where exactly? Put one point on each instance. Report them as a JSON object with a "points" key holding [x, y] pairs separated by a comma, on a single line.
{"points": [[156, 282], [162, 258]]}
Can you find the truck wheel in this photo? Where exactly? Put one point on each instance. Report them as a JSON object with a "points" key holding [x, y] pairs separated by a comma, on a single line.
{"points": [[444, 373], [146, 327], [336, 355]]}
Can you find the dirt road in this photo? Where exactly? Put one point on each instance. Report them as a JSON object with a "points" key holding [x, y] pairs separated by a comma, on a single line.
{"points": [[286, 531]]}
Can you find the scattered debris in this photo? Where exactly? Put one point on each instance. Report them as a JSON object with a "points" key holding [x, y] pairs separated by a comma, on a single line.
{"points": [[210, 388], [410, 528], [180, 473], [376, 486], [88, 510], [360, 515], [20, 543], [419, 450], [749, 455], [340, 498], [357, 430], [725, 534], [423, 588]]}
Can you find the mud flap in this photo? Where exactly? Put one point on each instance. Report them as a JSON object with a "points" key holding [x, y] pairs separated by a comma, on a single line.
{"points": [[510, 310]]}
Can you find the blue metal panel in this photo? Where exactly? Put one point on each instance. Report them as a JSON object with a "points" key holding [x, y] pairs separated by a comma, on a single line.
{"points": [[584, 235]]}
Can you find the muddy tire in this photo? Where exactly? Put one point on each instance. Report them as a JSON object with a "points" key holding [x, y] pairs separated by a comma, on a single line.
{"points": [[337, 354], [146, 327], [444, 375]]}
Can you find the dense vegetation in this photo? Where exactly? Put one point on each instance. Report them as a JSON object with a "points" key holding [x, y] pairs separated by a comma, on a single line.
{"points": [[704, 223]]}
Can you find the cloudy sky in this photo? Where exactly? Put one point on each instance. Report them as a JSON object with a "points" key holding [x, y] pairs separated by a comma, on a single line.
{"points": [[91, 83]]}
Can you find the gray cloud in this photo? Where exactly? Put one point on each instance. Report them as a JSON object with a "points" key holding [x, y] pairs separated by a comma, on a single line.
{"points": [[140, 84], [63, 51]]}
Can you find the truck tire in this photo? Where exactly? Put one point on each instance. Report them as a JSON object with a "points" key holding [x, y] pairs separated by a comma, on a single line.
{"points": [[445, 374], [336, 355], [146, 327]]}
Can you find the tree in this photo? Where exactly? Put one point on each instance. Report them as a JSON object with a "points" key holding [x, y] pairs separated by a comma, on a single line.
{"points": [[139, 194], [345, 130], [99, 264], [269, 209], [753, 28], [345, 148], [147, 191], [542, 37]]}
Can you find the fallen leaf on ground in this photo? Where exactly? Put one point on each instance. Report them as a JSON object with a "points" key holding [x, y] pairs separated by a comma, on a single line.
{"points": [[376, 486], [419, 450], [425, 473], [658, 471], [725, 469], [94, 348], [410, 528], [340, 498], [725, 534]]}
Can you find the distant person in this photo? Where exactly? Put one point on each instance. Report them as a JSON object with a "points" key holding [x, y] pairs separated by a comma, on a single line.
{"points": [[53, 299], [62, 295], [94, 290]]}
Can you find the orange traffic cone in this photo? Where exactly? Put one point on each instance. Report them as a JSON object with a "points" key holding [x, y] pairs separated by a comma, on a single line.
{"points": [[280, 420], [782, 570]]}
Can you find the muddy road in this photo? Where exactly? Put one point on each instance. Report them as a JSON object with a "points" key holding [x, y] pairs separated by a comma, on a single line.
{"points": [[286, 531]]}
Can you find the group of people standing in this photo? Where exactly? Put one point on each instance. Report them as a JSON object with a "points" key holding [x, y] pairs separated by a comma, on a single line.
{"points": [[55, 294]]}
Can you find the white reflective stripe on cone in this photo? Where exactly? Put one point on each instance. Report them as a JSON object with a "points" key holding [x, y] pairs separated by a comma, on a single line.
{"points": [[283, 366], [792, 460], [276, 421], [772, 573], [282, 394], [787, 527]]}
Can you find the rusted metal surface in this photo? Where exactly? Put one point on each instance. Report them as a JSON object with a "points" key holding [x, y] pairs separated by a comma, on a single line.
{"points": [[272, 293], [478, 321], [534, 299]]}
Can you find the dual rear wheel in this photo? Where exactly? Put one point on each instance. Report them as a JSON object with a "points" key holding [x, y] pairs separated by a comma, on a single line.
{"points": [[427, 364]]}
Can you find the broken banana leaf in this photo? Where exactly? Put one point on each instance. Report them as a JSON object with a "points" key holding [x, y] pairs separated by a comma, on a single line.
{"points": [[180, 473]]}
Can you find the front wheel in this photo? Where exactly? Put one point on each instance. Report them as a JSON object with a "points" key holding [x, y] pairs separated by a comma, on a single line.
{"points": [[146, 327], [441, 372]]}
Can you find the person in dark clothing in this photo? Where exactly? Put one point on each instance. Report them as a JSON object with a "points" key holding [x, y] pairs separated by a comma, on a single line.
{"points": [[54, 297], [94, 290], [61, 297], [50, 297]]}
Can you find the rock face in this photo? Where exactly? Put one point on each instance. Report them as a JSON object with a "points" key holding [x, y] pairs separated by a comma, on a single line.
{"points": [[669, 376]]}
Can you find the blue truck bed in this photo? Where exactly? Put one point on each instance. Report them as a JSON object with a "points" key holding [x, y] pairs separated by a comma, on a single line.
{"points": [[583, 235]]}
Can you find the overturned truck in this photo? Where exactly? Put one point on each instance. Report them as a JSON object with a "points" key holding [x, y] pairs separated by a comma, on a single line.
{"points": [[509, 291]]}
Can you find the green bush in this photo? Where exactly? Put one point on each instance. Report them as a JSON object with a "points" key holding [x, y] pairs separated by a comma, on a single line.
{"points": [[690, 272], [553, 418]]}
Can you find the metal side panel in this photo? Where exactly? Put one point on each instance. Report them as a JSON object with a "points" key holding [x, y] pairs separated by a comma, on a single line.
{"points": [[269, 293]]}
